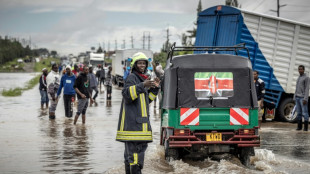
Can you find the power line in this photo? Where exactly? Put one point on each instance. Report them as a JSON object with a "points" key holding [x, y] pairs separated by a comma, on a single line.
{"points": [[298, 11], [298, 5], [259, 5]]}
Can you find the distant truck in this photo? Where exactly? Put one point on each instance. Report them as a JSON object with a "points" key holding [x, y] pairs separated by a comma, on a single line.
{"points": [[96, 59], [121, 63], [277, 47]]}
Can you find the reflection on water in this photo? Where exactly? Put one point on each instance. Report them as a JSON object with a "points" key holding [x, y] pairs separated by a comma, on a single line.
{"points": [[66, 147]]}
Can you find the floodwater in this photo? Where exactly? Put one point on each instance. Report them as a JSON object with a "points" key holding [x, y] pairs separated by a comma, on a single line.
{"points": [[13, 80], [31, 143]]}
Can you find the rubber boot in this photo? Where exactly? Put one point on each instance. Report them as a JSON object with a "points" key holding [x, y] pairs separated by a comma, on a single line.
{"points": [[83, 119], [46, 105], [42, 106], [135, 169], [306, 123], [127, 168], [299, 125], [75, 119]]}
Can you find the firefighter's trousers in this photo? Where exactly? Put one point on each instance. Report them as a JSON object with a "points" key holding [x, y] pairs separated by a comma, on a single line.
{"points": [[134, 155]]}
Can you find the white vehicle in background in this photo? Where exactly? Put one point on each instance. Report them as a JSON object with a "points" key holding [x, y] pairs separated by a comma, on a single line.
{"points": [[96, 59]]}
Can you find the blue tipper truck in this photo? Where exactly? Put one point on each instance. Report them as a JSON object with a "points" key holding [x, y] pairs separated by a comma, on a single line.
{"points": [[277, 47]]}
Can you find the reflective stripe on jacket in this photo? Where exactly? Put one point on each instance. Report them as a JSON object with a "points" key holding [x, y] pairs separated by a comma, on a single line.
{"points": [[134, 123]]}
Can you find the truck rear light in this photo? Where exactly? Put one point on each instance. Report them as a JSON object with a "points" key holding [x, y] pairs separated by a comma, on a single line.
{"points": [[181, 132], [246, 132]]}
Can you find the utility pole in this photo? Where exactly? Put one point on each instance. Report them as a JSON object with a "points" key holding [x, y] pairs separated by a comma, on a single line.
{"points": [[143, 41], [278, 8], [149, 41], [115, 45], [131, 41], [103, 46], [124, 44], [30, 42], [167, 41], [108, 45]]}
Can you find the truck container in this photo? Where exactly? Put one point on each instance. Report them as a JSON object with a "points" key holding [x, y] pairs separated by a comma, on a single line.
{"points": [[96, 59], [277, 47], [121, 63]]}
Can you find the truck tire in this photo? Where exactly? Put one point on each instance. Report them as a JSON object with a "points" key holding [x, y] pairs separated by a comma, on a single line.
{"points": [[245, 154], [285, 109], [171, 153]]}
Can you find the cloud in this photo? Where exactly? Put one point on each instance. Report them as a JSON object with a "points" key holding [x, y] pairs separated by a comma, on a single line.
{"points": [[44, 10], [86, 27], [55, 10]]}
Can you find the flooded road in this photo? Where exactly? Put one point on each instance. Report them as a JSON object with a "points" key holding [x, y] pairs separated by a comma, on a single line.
{"points": [[31, 143], [13, 80]]}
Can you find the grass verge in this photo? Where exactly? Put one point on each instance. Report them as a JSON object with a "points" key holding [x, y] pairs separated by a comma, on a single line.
{"points": [[12, 66], [45, 63], [18, 91]]}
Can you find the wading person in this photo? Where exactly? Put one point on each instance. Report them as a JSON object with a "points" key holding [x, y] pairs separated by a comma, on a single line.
{"points": [[101, 76], [81, 87], [134, 127], [52, 81], [93, 85], [108, 84], [260, 92], [67, 81], [301, 98], [43, 88]]}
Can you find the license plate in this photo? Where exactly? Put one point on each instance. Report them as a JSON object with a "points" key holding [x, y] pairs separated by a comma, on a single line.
{"points": [[214, 137]]}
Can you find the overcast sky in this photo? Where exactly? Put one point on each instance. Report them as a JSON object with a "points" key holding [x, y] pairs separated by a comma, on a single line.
{"points": [[73, 26]]}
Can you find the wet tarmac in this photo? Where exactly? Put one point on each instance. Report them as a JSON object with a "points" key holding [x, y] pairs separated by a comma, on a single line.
{"points": [[31, 143]]}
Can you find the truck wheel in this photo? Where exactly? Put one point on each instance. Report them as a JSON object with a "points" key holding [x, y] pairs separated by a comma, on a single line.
{"points": [[170, 153], [285, 110], [245, 154]]}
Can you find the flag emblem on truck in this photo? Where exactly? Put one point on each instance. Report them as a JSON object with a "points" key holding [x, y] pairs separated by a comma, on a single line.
{"points": [[214, 84], [239, 116], [189, 116]]}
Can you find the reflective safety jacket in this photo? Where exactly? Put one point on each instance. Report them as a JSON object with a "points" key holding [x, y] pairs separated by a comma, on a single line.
{"points": [[134, 123]]}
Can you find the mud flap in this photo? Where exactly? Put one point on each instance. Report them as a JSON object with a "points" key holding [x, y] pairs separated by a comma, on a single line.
{"points": [[245, 154]]}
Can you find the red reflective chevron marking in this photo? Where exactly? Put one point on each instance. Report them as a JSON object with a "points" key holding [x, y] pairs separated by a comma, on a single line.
{"points": [[189, 116], [270, 112], [239, 116]]}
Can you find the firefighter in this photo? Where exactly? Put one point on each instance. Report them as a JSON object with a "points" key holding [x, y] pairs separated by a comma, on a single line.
{"points": [[134, 127]]}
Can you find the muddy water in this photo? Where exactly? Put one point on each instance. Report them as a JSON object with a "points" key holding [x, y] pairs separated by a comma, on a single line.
{"points": [[31, 143], [13, 80]]}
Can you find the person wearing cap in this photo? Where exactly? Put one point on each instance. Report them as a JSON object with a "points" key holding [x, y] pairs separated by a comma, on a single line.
{"points": [[43, 88], [67, 81], [52, 81], [134, 128]]}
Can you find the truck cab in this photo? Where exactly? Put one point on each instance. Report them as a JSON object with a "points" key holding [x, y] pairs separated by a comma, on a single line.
{"points": [[209, 105]]}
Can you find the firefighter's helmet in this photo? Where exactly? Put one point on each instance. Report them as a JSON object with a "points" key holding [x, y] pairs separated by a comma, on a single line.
{"points": [[138, 56]]}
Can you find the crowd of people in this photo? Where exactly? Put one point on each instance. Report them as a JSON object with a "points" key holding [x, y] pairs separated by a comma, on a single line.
{"points": [[79, 82]]}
